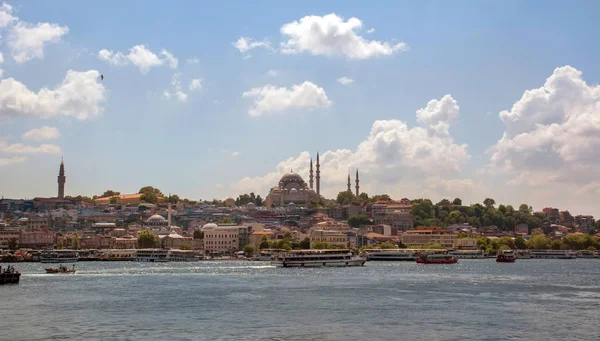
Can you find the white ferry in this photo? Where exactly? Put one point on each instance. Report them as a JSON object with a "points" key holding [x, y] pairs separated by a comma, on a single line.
{"points": [[182, 256], [151, 255], [467, 254], [59, 256], [523, 254], [267, 255], [586, 254], [390, 255], [553, 254], [317, 258], [118, 255]]}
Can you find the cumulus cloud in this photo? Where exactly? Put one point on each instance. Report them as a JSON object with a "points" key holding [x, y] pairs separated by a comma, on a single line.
{"points": [[141, 57], [270, 98], [552, 133], [272, 73], [371, 30], [1, 61], [26, 41], [6, 161], [193, 61], [391, 156], [80, 95], [6, 15], [19, 148], [43, 133], [177, 92], [345, 80], [195, 84], [330, 35], [245, 44]]}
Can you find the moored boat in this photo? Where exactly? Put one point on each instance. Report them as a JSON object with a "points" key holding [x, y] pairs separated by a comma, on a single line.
{"points": [[151, 255], [390, 255], [9, 275], [318, 258], [182, 256], [61, 270], [553, 254], [439, 258], [506, 256], [467, 254], [59, 256]]}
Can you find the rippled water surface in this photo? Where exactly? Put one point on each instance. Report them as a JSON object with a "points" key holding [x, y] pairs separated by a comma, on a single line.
{"points": [[230, 300]]}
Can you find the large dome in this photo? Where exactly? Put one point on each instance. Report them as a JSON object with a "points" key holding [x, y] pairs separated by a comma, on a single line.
{"points": [[291, 177], [209, 226]]}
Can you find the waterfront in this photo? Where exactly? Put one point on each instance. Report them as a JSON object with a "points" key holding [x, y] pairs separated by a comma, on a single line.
{"points": [[237, 300]]}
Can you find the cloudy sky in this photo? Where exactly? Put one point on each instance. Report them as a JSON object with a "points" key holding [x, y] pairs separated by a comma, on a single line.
{"points": [[427, 99]]}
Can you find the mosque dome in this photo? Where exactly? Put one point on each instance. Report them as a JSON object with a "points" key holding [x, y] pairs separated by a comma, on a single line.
{"points": [[250, 206], [209, 226], [156, 219]]}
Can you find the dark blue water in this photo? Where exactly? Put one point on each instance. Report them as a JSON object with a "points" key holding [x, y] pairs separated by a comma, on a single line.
{"points": [[228, 300]]}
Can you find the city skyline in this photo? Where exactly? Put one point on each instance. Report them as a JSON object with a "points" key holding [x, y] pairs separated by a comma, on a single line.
{"points": [[428, 100]]}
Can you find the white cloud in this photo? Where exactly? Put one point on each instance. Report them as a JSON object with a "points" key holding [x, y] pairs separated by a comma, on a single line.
{"points": [[394, 158], [245, 44], [6, 17], [12, 160], [273, 99], [141, 57], [19, 148], [371, 30], [1, 61], [235, 154], [26, 41], [193, 61], [345, 80], [79, 95], [195, 84], [177, 90], [43, 133], [272, 73], [330, 35], [552, 134]]}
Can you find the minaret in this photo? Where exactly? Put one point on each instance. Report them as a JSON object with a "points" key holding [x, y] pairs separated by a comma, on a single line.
{"points": [[61, 180], [357, 187], [318, 177], [310, 175], [349, 188], [169, 212]]}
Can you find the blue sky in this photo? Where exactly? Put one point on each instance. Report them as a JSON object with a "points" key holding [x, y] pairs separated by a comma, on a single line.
{"points": [[485, 55]]}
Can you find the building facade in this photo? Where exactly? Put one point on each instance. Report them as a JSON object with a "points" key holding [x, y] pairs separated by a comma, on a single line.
{"points": [[416, 238], [293, 189], [333, 238]]}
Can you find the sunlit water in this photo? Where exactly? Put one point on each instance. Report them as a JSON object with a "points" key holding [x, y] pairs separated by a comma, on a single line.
{"points": [[230, 300]]}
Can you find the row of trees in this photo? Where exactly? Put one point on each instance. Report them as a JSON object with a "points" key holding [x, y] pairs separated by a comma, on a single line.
{"points": [[286, 243], [245, 199], [346, 198]]}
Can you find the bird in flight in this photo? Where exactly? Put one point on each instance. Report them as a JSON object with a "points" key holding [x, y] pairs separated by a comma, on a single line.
{"points": [[101, 77]]}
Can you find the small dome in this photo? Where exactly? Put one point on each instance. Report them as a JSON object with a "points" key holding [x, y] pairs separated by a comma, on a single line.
{"points": [[291, 205], [250, 205], [209, 226], [157, 218]]}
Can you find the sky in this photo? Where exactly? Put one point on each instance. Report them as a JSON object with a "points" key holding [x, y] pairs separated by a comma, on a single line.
{"points": [[208, 100]]}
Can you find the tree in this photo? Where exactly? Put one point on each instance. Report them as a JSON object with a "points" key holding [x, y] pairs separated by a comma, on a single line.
{"points": [[226, 220], [185, 247], [74, 242], [259, 201], [443, 202], [174, 198], [344, 198], [114, 200], [305, 244], [457, 202], [248, 250], [288, 235], [524, 208], [264, 243], [59, 243], [322, 245], [385, 245], [150, 194], [489, 203], [520, 243], [363, 197], [455, 217], [109, 193], [147, 240], [539, 242], [358, 220], [198, 234], [12, 244], [380, 197]]}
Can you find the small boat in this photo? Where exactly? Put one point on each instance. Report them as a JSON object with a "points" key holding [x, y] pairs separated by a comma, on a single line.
{"points": [[437, 259], [9, 275], [61, 270], [506, 256]]}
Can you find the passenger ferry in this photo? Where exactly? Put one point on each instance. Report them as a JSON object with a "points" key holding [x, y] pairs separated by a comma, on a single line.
{"points": [[151, 255], [267, 255], [390, 255], [182, 256], [553, 254], [467, 254], [506, 256], [118, 255], [587, 254], [523, 254], [59, 256], [317, 258], [437, 258]]}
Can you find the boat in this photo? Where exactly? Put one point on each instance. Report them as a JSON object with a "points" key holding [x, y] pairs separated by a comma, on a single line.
{"points": [[318, 258], [506, 256], [267, 255], [61, 270], [586, 254], [59, 256], [182, 256], [151, 255], [390, 255], [523, 254], [438, 258], [553, 254], [467, 254], [9, 275], [118, 255]]}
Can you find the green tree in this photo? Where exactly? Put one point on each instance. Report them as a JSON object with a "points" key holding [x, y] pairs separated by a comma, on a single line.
{"points": [[60, 244], [322, 245], [489, 202], [226, 220], [147, 240], [12, 244], [539, 242], [455, 217], [259, 201], [288, 235], [114, 200], [380, 197], [150, 194], [344, 198], [385, 245], [520, 243], [358, 220], [524, 208], [248, 250], [264, 243], [305, 244], [363, 197], [457, 202], [198, 234], [109, 193], [185, 247], [174, 198], [443, 202]]}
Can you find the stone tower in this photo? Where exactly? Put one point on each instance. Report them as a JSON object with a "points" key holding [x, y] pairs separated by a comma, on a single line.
{"points": [[318, 177], [357, 186], [349, 188], [310, 175], [61, 180]]}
